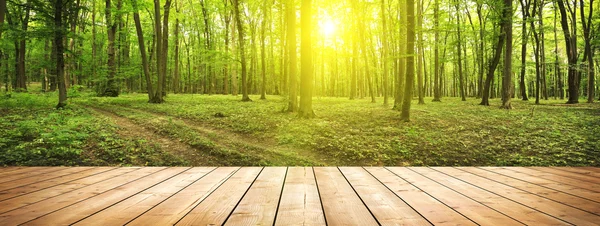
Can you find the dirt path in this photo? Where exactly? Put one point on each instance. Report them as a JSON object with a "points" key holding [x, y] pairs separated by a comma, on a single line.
{"points": [[229, 139], [131, 130]]}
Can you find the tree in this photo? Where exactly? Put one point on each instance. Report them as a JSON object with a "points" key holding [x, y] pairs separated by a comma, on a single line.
{"points": [[158, 97], [570, 34], [384, 54], [59, 46], [306, 81], [436, 67], [145, 64], [2, 13], [290, 9], [507, 64], [459, 45], [410, 60], [240, 28], [588, 54], [112, 88], [525, 4], [493, 64]]}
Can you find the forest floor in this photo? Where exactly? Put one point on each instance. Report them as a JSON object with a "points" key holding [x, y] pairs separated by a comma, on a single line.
{"points": [[192, 129]]}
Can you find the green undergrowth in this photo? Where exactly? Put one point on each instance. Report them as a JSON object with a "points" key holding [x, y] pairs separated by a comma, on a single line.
{"points": [[450, 133], [33, 132]]}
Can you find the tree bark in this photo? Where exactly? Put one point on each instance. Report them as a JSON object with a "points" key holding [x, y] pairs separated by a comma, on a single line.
{"points": [[141, 43], [507, 66], [111, 89], [410, 60], [570, 33], [60, 63], [525, 4], [306, 82], [436, 60], [460, 69], [240, 28]]}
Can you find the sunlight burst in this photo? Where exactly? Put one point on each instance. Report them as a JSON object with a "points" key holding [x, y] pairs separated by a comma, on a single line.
{"points": [[328, 27]]}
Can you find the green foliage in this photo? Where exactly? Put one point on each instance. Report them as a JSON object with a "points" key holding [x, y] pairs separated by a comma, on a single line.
{"points": [[450, 133], [33, 133]]}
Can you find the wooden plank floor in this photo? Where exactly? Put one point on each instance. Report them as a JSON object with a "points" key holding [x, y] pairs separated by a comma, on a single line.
{"points": [[299, 196]]}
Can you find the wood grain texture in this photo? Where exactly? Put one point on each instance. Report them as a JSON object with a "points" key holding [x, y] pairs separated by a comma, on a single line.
{"points": [[259, 205], [215, 209], [176, 207], [300, 203], [469, 208], [387, 208], [84, 208], [432, 209], [561, 211], [341, 205], [508, 207], [38, 209], [558, 178], [128, 209]]}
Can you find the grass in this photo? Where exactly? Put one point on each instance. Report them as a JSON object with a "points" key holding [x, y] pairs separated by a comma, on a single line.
{"points": [[227, 131]]}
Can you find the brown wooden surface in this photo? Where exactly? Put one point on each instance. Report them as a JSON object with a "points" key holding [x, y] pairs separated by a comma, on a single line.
{"points": [[299, 196]]}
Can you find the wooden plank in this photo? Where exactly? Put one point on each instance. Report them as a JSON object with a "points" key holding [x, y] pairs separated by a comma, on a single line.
{"points": [[557, 178], [341, 204], [215, 209], [126, 210], [563, 187], [433, 210], [558, 210], [77, 211], [41, 178], [11, 170], [510, 208], [561, 172], [564, 198], [176, 207], [300, 203], [590, 171], [387, 208], [30, 172], [259, 205], [30, 212], [469, 208], [22, 190], [34, 197]]}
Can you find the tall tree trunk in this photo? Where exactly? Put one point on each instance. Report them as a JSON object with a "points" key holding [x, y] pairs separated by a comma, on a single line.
{"points": [[111, 89], [263, 87], [384, 54], [588, 52], [60, 63], [570, 33], [460, 69], [557, 72], [290, 10], [145, 64], [306, 81], [158, 97], [436, 60], [525, 4], [481, 49], [507, 65], [21, 77], [176, 79], [165, 48], [410, 60], [227, 20], [492, 66], [420, 89], [363, 46], [240, 28], [402, 53]]}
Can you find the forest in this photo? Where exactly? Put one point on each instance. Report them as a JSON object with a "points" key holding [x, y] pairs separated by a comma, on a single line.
{"points": [[300, 82]]}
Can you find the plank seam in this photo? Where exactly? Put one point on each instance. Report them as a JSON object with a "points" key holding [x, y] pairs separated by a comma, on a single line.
{"points": [[145, 190], [529, 193], [397, 195], [47, 179], [440, 201], [55, 184], [319, 194], [244, 195], [526, 206], [67, 192], [553, 180], [361, 200], [541, 185], [91, 197], [53, 171], [280, 195], [596, 180]]}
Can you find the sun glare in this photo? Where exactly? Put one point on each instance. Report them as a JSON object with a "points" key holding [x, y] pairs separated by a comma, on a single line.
{"points": [[328, 28]]}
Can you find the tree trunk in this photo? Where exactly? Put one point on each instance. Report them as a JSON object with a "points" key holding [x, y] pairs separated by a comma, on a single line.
{"points": [[165, 49], [492, 66], [410, 60], [111, 89], [524, 38], [384, 54], [263, 87], [420, 89], [158, 97], [507, 66], [176, 79], [145, 64], [570, 33], [588, 52], [306, 82], [436, 67], [460, 69], [240, 28], [60, 63]]}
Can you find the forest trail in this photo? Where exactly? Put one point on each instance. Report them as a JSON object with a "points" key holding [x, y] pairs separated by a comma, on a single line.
{"points": [[129, 129], [262, 148]]}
